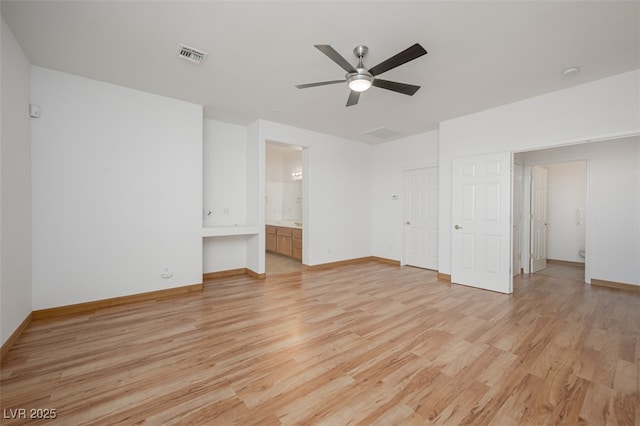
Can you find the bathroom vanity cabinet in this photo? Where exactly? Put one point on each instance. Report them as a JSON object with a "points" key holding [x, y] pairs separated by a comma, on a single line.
{"points": [[284, 240]]}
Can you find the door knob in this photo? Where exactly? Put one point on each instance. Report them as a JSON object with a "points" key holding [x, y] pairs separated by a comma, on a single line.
{"points": [[458, 227]]}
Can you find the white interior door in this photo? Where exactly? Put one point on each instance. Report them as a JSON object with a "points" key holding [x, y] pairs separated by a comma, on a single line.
{"points": [[481, 243], [516, 219], [421, 218], [539, 218]]}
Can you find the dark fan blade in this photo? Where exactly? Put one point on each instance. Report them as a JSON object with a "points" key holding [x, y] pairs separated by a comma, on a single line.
{"points": [[406, 89], [320, 83], [335, 57], [353, 98], [403, 57]]}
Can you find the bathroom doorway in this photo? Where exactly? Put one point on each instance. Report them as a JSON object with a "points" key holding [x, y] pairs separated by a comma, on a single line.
{"points": [[283, 208], [566, 193], [556, 200]]}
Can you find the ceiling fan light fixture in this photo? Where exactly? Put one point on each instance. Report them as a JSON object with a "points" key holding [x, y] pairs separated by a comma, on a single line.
{"points": [[360, 79], [359, 82]]}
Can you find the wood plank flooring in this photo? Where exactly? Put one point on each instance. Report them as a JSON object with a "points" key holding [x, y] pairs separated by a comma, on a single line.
{"points": [[361, 344]]}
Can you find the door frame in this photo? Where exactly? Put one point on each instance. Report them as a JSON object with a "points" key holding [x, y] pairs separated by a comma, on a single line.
{"points": [[305, 152], [517, 214]]}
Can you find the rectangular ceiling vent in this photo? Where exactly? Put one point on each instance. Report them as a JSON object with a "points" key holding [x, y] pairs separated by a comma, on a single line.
{"points": [[382, 133], [192, 55]]}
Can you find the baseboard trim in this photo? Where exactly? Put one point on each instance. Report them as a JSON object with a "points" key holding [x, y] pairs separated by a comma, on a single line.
{"points": [[210, 276], [613, 284], [14, 336], [444, 277], [330, 265], [565, 262], [80, 308], [385, 260], [255, 274], [223, 274]]}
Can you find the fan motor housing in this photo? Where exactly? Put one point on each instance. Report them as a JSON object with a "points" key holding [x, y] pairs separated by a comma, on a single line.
{"points": [[363, 76], [360, 51]]}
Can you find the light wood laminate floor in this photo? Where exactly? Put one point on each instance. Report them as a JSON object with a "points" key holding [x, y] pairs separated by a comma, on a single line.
{"points": [[361, 344]]}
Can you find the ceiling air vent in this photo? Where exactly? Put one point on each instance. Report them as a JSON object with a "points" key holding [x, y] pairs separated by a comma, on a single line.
{"points": [[382, 133], [192, 55]]}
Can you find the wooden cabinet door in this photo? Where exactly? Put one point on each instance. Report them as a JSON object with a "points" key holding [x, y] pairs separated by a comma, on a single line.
{"points": [[297, 249], [297, 243], [271, 244], [285, 232], [284, 245], [270, 234]]}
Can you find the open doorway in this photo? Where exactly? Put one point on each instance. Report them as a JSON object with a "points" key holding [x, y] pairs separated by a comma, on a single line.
{"points": [[283, 208], [554, 199], [558, 205]]}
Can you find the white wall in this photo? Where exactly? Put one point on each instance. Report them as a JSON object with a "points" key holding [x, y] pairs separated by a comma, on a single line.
{"points": [[337, 183], [390, 160], [117, 190], [15, 182], [613, 206], [224, 253], [606, 107], [567, 197], [224, 173], [255, 253], [273, 185]]}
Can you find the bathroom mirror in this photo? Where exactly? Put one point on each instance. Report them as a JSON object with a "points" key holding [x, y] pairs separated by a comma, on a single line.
{"points": [[292, 201], [283, 189]]}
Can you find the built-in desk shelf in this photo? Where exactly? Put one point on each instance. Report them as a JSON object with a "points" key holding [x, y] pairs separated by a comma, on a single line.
{"points": [[226, 231]]}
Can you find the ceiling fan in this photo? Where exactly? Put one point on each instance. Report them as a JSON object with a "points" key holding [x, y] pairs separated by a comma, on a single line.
{"points": [[360, 79]]}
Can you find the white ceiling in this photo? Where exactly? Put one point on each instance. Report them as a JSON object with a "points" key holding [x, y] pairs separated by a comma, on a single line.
{"points": [[481, 54]]}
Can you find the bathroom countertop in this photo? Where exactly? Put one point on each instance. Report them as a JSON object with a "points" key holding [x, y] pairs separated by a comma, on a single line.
{"points": [[286, 223]]}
